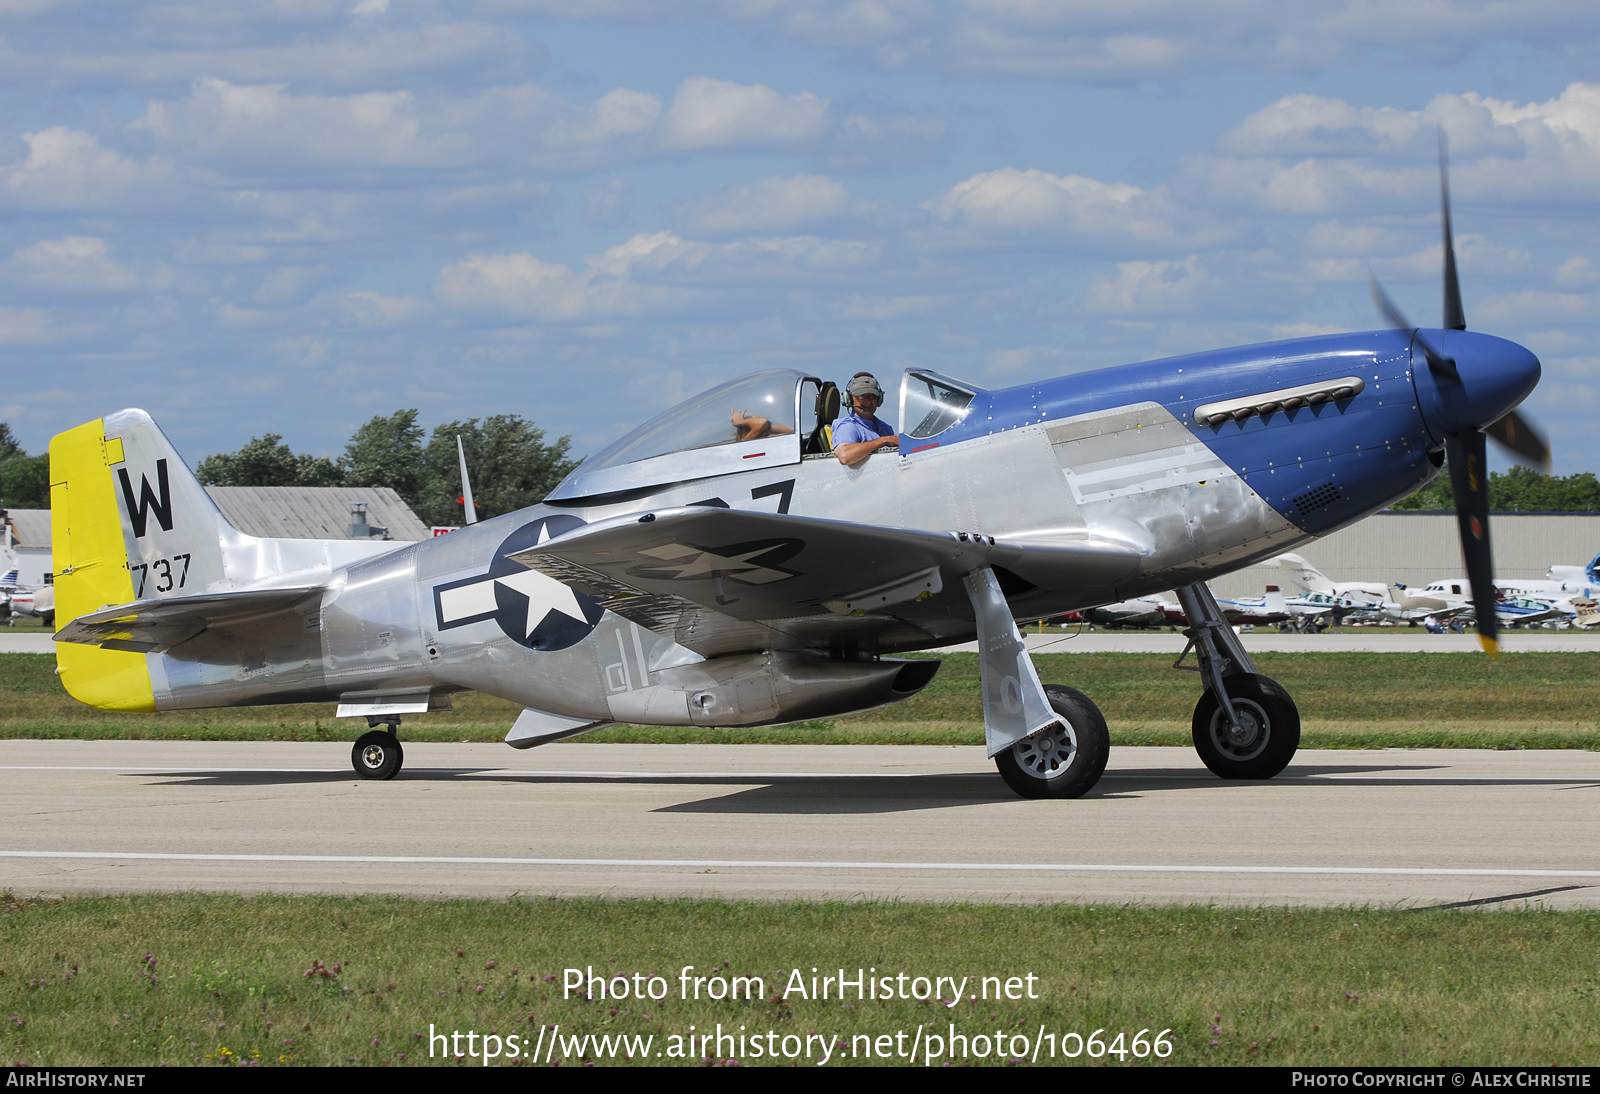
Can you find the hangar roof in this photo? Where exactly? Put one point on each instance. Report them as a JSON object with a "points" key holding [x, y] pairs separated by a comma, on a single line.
{"points": [[314, 512], [274, 512]]}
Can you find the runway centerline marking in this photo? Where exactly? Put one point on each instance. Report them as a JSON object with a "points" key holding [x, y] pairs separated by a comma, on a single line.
{"points": [[766, 864]]}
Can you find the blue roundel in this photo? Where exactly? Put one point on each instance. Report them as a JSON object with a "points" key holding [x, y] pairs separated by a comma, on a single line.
{"points": [[557, 627], [533, 609]]}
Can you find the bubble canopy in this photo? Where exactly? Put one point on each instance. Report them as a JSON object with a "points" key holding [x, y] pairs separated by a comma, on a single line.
{"points": [[741, 425]]}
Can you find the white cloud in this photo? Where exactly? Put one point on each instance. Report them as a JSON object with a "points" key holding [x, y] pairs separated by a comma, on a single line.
{"points": [[709, 113], [264, 124], [170, 45], [68, 169], [608, 204], [1148, 287], [1010, 204], [770, 205], [520, 285], [374, 311], [1382, 158], [24, 326], [289, 285], [1575, 273], [82, 264], [652, 272], [664, 256]]}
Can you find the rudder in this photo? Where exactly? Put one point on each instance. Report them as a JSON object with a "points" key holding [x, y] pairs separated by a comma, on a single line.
{"points": [[129, 522]]}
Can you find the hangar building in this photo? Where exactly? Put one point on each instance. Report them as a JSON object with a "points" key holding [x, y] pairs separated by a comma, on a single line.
{"points": [[271, 512], [1414, 548]]}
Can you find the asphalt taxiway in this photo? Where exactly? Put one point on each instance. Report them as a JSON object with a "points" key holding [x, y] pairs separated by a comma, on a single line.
{"points": [[1392, 827]]}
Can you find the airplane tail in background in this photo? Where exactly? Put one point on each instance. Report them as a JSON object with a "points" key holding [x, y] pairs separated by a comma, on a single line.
{"points": [[128, 521], [1304, 574], [1274, 602]]}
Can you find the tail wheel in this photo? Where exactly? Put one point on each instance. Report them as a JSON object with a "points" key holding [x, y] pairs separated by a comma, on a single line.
{"points": [[1263, 739], [377, 755], [1063, 761]]}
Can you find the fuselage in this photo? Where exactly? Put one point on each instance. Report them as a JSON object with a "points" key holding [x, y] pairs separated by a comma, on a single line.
{"points": [[1195, 466]]}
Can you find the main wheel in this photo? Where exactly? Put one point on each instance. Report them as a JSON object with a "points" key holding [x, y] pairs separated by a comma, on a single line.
{"points": [[1265, 738], [1060, 763], [377, 755]]}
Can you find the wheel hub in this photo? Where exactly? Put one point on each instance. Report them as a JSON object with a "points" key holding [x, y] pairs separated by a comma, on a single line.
{"points": [[1247, 737], [1046, 754], [372, 756]]}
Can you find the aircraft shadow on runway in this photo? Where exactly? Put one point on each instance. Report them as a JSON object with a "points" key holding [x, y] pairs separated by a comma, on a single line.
{"points": [[816, 794]]}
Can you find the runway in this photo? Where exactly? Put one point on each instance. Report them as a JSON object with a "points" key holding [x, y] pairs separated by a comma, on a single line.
{"points": [[1393, 827]]}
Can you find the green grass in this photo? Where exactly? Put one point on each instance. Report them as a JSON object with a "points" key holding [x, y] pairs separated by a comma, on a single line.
{"points": [[1270, 986], [1347, 700]]}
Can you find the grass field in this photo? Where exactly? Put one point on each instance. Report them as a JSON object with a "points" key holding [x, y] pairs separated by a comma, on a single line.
{"points": [[1253, 986], [1346, 700]]}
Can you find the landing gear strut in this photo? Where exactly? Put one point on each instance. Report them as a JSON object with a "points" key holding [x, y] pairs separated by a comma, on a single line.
{"points": [[377, 754], [1047, 741], [1246, 726]]}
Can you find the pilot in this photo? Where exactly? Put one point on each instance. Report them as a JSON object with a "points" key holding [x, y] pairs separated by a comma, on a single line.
{"points": [[860, 433]]}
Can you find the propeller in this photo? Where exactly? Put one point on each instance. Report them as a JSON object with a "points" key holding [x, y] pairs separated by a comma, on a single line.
{"points": [[1466, 450]]}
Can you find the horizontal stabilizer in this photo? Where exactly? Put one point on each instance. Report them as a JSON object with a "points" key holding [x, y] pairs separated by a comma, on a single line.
{"points": [[150, 626]]}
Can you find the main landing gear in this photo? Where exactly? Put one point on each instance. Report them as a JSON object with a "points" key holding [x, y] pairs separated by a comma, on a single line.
{"points": [[1047, 741], [1246, 726], [377, 754], [1066, 759]]}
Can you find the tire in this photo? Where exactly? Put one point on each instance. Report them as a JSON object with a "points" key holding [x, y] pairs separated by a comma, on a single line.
{"points": [[1055, 764], [1271, 725], [377, 755]]}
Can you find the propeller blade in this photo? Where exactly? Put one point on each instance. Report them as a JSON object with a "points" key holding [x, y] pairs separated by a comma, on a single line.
{"points": [[1467, 457], [1438, 363], [1454, 317], [1518, 436]]}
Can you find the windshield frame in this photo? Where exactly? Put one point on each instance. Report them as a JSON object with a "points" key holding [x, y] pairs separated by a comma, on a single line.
{"points": [[955, 417]]}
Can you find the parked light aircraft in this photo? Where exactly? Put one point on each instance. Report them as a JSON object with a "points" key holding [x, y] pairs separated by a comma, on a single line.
{"points": [[1142, 611], [1369, 600], [1255, 611], [698, 572]]}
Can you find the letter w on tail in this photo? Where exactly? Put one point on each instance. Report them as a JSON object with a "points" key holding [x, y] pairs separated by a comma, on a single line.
{"points": [[139, 511]]}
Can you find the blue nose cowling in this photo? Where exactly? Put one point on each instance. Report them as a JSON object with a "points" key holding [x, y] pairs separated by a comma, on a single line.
{"points": [[1496, 375]]}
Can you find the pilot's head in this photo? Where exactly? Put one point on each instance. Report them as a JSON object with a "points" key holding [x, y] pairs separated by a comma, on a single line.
{"points": [[864, 384]]}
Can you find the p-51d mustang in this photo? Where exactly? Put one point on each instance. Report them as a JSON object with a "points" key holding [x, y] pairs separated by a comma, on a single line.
{"points": [[698, 572]]}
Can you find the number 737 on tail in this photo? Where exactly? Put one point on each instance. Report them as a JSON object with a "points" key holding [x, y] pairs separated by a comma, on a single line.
{"points": [[720, 566]]}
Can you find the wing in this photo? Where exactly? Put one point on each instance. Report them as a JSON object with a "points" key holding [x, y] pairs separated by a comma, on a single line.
{"points": [[150, 626], [720, 580]]}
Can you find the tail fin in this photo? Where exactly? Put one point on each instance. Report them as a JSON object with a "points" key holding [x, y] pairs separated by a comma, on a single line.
{"points": [[1304, 574], [1273, 602], [128, 521]]}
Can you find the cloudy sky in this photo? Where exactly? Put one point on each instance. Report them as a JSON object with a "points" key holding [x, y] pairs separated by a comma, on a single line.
{"points": [[289, 216]]}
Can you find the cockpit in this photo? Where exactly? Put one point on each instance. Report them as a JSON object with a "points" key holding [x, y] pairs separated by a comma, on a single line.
{"points": [[766, 419]]}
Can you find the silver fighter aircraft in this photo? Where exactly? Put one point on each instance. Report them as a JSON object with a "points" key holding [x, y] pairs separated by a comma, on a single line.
{"points": [[719, 566]]}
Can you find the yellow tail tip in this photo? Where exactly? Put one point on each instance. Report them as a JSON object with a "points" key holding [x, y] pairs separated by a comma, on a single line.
{"points": [[1490, 646]]}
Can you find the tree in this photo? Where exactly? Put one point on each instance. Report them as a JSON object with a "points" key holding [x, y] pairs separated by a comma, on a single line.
{"points": [[1519, 490], [266, 461], [387, 451], [510, 465], [24, 479], [25, 482]]}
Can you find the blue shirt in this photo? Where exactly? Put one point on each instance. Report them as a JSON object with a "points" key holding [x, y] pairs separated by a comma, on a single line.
{"points": [[853, 429]]}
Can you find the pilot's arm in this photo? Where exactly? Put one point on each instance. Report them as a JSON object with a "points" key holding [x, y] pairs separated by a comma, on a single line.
{"points": [[852, 454]]}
